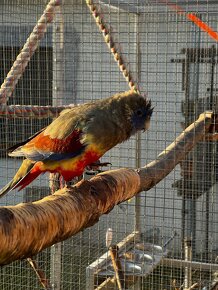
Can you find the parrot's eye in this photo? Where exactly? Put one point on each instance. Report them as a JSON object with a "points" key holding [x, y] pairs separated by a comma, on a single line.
{"points": [[139, 112]]}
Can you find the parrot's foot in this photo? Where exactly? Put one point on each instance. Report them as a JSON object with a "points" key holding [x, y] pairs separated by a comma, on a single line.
{"points": [[67, 184], [100, 164], [76, 179], [95, 165]]}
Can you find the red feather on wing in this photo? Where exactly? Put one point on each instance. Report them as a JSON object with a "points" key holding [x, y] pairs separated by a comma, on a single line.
{"points": [[43, 147], [46, 143]]}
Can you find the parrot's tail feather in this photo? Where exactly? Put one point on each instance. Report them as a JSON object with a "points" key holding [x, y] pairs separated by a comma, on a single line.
{"points": [[8, 187], [25, 174], [27, 179]]}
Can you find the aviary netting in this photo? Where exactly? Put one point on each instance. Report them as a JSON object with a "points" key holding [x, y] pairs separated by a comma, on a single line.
{"points": [[104, 191]]}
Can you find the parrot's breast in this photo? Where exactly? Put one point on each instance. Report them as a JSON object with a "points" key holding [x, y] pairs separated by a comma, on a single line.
{"points": [[70, 168]]}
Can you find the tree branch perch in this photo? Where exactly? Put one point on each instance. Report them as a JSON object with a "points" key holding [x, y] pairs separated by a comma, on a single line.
{"points": [[26, 229]]}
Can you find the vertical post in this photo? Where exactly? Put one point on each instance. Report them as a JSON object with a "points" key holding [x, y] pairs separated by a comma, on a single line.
{"points": [[191, 97], [188, 269], [58, 93], [138, 227], [189, 201], [211, 158], [138, 136], [58, 58]]}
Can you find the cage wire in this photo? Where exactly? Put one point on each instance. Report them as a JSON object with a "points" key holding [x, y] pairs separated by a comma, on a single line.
{"points": [[167, 50]]}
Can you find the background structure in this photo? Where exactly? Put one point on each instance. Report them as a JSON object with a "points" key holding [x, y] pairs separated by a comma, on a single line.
{"points": [[175, 64]]}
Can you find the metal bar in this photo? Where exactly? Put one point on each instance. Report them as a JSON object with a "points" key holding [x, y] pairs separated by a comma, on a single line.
{"points": [[189, 203], [194, 264], [55, 270], [138, 136], [193, 61], [58, 93], [188, 268], [211, 158]]}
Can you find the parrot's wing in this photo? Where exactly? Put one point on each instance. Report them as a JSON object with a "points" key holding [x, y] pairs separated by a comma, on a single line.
{"points": [[14, 147], [62, 139]]}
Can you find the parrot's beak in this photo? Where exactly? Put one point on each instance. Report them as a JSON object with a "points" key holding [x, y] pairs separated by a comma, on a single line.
{"points": [[147, 125]]}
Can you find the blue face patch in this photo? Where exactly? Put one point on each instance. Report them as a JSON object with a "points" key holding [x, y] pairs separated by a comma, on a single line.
{"points": [[139, 119]]}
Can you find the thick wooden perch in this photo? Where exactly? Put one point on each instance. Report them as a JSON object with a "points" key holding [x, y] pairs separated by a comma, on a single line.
{"points": [[26, 229]]}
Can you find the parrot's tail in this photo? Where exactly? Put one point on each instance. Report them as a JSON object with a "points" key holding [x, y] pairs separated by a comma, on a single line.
{"points": [[22, 178]]}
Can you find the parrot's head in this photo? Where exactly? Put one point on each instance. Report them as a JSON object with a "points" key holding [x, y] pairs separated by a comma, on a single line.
{"points": [[140, 112], [141, 116], [122, 115]]}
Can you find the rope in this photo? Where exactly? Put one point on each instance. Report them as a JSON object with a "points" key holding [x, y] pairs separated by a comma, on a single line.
{"points": [[27, 51], [31, 112], [111, 44]]}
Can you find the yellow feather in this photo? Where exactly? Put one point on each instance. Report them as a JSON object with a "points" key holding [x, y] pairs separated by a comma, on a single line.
{"points": [[72, 164]]}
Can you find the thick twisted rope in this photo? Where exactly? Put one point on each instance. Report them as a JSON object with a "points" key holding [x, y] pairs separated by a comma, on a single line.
{"points": [[27, 51], [31, 112], [111, 45]]}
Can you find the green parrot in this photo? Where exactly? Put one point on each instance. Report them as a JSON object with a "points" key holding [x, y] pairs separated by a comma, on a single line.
{"points": [[79, 137]]}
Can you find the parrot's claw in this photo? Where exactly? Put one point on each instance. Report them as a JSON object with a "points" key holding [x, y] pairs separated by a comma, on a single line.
{"points": [[95, 165], [67, 184], [101, 164]]}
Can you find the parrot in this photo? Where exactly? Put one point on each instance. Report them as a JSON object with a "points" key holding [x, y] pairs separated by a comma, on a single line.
{"points": [[79, 136]]}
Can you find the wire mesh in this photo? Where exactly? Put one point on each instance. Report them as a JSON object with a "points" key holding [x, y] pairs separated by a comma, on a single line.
{"points": [[174, 61]]}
